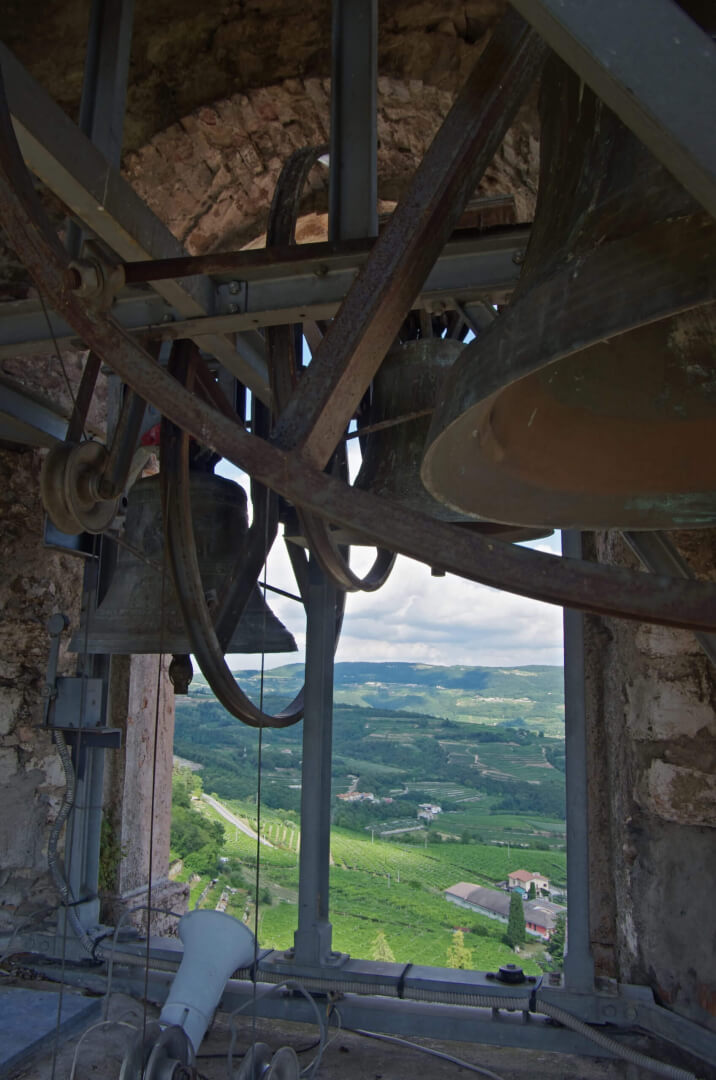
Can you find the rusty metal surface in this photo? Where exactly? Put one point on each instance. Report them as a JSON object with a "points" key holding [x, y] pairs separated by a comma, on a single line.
{"points": [[274, 259], [83, 397], [283, 374], [573, 583], [186, 574], [554, 416], [384, 291]]}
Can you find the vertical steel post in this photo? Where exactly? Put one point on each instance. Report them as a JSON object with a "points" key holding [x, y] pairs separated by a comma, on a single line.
{"points": [[578, 962], [104, 86], [353, 212], [312, 939], [353, 182], [104, 92], [84, 824]]}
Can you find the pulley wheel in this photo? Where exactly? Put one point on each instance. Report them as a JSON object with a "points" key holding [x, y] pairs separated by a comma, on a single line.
{"points": [[69, 484], [255, 1063]]}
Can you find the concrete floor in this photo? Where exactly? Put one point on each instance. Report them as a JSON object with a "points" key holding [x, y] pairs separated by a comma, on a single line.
{"points": [[348, 1057]]}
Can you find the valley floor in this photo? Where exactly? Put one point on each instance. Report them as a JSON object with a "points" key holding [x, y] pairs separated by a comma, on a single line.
{"points": [[377, 887]]}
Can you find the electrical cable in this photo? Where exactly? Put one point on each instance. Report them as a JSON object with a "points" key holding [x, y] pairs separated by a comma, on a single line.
{"points": [[99, 1024], [58, 877], [661, 1068], [222, 1053], [254, 970], [313, 1066], [125, 915], [75, 411], [160, 662], [289, 984], [427, 1050]]}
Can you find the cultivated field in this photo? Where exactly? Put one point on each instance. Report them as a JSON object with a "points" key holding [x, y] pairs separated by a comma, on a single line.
{"points": [[380, 885]]}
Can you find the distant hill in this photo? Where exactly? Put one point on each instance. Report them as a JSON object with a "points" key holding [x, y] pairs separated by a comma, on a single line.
{"points": [[532, 696]]}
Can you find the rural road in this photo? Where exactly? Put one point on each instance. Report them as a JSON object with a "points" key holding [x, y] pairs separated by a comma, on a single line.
{"points": [[232, 818]]}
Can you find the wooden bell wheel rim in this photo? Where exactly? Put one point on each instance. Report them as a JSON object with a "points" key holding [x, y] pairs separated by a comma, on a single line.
{"points": [[574, 583], [284, 370], [209, 634]]}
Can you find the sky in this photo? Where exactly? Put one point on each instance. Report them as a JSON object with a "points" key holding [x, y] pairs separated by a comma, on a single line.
{"points": [[419, 618]]}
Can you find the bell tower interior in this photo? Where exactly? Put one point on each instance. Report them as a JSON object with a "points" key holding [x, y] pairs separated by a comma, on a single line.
{"points": [[475, 240]]}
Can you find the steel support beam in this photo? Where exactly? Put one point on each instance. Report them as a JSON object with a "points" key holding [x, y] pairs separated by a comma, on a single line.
{"points": [[578, 962], [288, 291], [627, 1009], [353, 181], [57, 152], [385, 290], [650, 63], [104, 87], [569, 582], [312, 939], [659, 555], [24, 419], [353, 213]]}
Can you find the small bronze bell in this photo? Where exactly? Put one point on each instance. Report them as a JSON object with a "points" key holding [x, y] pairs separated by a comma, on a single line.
{"points": [[591, 401], [129, 617]]}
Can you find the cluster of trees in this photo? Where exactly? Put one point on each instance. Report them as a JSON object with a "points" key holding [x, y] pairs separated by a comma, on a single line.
{"points": [[227, 750], [547, 799], [516, 933], [555, 755], [194, 838]]}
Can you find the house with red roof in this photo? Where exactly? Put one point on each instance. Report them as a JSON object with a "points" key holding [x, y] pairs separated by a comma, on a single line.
{"points": [[522, 879]]}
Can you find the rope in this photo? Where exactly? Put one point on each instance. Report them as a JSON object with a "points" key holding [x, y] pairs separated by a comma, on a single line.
{"points": [[75, 411], [154, 767]]}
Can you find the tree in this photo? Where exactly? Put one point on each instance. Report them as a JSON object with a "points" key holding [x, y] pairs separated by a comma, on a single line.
{"points": [[458, 954], [516, 922], [532, 893], [380, 949], [558, 939]]}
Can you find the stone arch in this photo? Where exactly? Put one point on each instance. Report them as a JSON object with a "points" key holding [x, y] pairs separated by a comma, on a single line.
{"points": [[211, 176]]}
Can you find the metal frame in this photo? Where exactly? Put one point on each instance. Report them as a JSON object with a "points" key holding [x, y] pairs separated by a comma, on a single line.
{"points": [[309, 284], [657, 73], [57, 152]]}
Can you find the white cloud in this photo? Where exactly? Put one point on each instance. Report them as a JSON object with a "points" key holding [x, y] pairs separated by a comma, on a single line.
{"points": [[416, 617]]}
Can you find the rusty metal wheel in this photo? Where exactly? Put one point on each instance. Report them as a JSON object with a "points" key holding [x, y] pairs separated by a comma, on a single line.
{"points": [[591, 587], [209, 633], [284, 367]]}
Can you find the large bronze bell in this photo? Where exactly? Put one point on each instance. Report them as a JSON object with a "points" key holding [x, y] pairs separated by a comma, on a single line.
{"points": [[129, 617], [591, 401], [404, 393]]}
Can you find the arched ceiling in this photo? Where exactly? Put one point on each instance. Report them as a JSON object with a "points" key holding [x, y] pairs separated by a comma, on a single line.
{"points": [[185, 55], [211, 176]]}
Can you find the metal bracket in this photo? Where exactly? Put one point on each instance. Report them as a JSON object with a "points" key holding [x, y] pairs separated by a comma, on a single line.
{"points": [[96, 280], [232, 298], [658, 554], [76, 704], [55, 625], [73, 704]]}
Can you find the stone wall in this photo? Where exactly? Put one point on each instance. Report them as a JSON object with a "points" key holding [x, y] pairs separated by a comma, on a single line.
{"points": [[651, 697], [211, 177], [186, 55], [34, 584]]}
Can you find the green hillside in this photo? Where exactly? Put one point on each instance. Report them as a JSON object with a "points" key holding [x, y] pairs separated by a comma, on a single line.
{"points": [[484, 744], [478, 771], [375, 886], [531, 696]]}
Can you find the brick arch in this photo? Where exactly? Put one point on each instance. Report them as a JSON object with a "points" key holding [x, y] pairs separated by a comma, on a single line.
{"points": [[211, 176]]}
